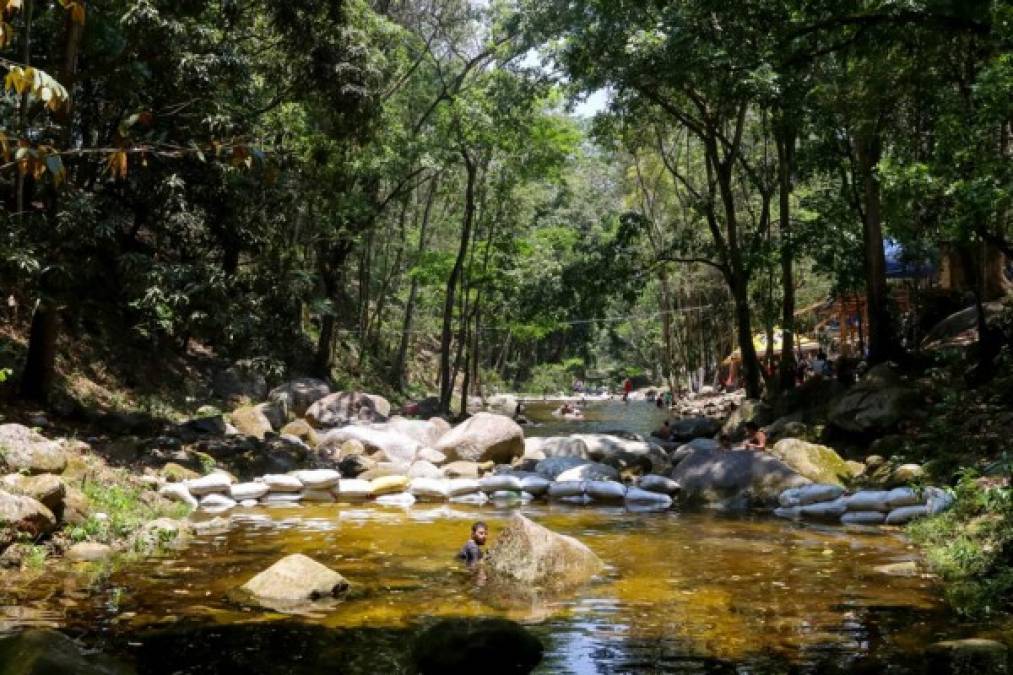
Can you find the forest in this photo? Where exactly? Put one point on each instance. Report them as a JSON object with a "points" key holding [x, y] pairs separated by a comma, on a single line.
{"points": [[444, 201]]}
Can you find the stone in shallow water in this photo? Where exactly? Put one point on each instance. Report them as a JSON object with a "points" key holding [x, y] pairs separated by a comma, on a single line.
{"points": [[88, 551], [476, 646], [533, 555], [292, 581], [907, 568]]}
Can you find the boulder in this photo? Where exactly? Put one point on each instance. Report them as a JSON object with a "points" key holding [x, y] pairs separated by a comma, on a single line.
{"points": [[483, 437], [89, 551], [424, 469], [818, 463], [875, 405], [735, 478], [423, 432], [502, 404], [395, 446], [908, 568], [211, 425], [356, 465], [25, 451], [47, 652], [534, 556], [25, 515], [462, 469], [906, 473], [432, 456], [555, 446], [176, 473], [251, 421], [460, 646], [589, 471], [441, 425], [296, 396], [293, 581], [551, 468], [240, 380], [345, 407], [45, 488], [688, 428], [600, 446], [302, 430]]}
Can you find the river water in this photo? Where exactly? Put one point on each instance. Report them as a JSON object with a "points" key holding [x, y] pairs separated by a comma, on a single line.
{"points": [[682, 592]]}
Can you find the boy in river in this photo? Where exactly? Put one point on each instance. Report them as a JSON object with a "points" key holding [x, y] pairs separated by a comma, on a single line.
{"points": [[756, 439], [472, 551]]}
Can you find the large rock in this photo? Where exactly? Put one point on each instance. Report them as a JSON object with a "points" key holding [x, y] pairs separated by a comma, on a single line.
{"points": [[555, 446], [241, 380], [818, 463], [502, 404], [47, 652], [25, 515], [600, 446], [750, 411], [735, 478], [424, 432], [553, 466], [25, 451], [296, 396], [688, 428], [302, 430], [344, 407], [875, 405], [251, 421], [465, 646], [395, 446], [293, 581], [45, 488], [483, 437], [89, 551], [534, 556], [211, 425]]}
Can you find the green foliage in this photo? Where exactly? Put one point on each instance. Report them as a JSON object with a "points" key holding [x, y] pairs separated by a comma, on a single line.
{"points": [[125, 510], [553, 378]]}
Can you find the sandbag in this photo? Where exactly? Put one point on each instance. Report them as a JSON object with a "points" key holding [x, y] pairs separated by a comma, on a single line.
{"points": [[244, 491], [282, 498], [903, 496], [644, 497], [457, 487], [429, 489], [605, 490], [353, 488], [535, 485], [790, 512], [577, 500], [280, 482], [869, 500], [317, 479], [477, 498], [810, 494], [506, 496], [217, 502], [322, 496], [906, 514], [662, 484], [386, 485], [399, 499], [828, 510], [937, 500], [863, 518], [499, 483], [568, 488]]}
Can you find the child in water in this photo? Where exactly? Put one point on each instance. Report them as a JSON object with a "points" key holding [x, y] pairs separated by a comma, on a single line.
{"points": [[472, 551]]}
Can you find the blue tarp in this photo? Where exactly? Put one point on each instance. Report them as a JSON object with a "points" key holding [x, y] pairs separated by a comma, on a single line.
{"points": [[900, 265]]}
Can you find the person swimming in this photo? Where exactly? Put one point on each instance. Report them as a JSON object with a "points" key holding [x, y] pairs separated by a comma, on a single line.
{"points": [[471, 553]]}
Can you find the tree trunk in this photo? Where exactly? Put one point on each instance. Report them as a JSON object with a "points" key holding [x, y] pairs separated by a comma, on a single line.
{"points": [[331, 266], [882, 343], [400, 363], [785, 162], [40, 365], [446, 383]]}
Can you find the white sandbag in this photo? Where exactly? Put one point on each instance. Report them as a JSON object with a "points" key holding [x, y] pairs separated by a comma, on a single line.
{"points": [[215, 501], [281, 498], [317, 479], [353, 488], [535, 485], [429, 489], [281, 482], [903, 496], [213, 482], [863, 518], [320, 496], [605, 490], [458, 487], [831, 510], [476, 498], [569, 488], [869, 500], [577, 500], [178, 492], [937, 500], [662, 484], [506, 482], [790, 512], [637, 496], [810, 494], [249, 503], [243, 491], [507, 496], [400, 499], [906, 514]]}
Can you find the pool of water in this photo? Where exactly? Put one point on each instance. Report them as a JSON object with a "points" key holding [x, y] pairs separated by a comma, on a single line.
{"points": [[599, 416], [682, 592]]}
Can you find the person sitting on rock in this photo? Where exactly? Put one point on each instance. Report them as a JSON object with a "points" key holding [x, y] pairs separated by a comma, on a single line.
{"points": [[665, 432], [471, 553], [756, 439]]}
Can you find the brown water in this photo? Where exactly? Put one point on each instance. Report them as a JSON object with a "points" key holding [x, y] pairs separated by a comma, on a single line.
{"points": [[682, 592]]}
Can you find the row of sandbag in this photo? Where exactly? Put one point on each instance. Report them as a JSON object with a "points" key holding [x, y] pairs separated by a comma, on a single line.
{"points": [[865, 507]]}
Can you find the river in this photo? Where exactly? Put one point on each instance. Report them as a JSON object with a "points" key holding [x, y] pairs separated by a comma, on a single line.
{"points": [[682, 592]]}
